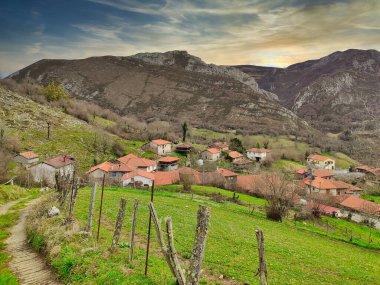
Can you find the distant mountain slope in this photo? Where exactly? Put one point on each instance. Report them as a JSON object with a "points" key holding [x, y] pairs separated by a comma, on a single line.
{"points": [[172, 86], [333, 93]]}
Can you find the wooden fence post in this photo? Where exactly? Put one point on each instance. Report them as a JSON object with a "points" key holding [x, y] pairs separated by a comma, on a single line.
{"points": [[132, 241], [101, 207], [119, 224], [203, 219], [149, 227], [92, 205], [262, 270]]}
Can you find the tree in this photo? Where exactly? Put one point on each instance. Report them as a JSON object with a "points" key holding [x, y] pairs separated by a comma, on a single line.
{"points": [[237, 145], [258, 145], [266, 144], [54, 91], [280, 195], [184, 131]]}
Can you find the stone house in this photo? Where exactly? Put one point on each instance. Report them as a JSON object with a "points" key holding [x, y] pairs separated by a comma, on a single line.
{"points": [[330, 187], [46, 170], [258, 154], [26, 158], [167, 163], [211, 154], [161, 147], [138, 177], [321, 162]]}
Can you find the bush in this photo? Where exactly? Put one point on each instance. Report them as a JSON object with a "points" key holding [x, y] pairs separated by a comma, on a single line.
{"points": [[54, 91]]}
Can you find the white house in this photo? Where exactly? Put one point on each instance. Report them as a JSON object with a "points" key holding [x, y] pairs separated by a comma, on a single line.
{"points": [[138, 177], [211, 154], [46, 170], [321, 162], [258, 154], [26, 158], [114, 170], [161, 147]]}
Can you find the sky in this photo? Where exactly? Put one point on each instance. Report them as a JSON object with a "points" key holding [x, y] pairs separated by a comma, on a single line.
{"points": [[227, 32]]}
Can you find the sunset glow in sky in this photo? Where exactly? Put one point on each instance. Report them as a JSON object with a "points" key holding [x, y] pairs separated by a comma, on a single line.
{"points": [[259, 32]]}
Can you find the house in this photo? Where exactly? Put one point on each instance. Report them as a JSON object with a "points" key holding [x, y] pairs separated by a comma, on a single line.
{"points": [[46, 170], [113, 170], [137, 178], [330, 187], [371, 172], [134, 162], [183, 148], [325, 210], [258, 154], [168, 163], [322, 173], [321, 162], [234, 155], [26, 158], [229, 176], [161, 147], [221, 145], [211, 154], [166, 178]]}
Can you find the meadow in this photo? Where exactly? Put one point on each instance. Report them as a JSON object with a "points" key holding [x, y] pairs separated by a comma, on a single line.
{"points": [[297, 253]]}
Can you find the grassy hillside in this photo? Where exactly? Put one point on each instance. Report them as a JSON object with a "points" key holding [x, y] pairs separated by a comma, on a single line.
{"points": [[27, 120], [296, 253]]}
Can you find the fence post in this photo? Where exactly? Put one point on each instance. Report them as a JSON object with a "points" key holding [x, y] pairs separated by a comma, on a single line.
{"points": [[92, 205], [262, 270], [101, 207], [119, 224], [132, 241], [149, 226], [203, 219]]}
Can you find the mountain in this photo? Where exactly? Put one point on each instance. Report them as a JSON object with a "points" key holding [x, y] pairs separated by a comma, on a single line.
{"points": [[172, 86], [337, 92]]}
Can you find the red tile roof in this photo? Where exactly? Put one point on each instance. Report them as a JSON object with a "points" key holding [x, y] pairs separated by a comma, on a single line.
{"points": [[241, 161], [183, 146], [133, 161], [361, 205], [259, 150], [28, 154], [213, 150], [102, 166], [138, 172], [318, 157], [324, 208], [320, 183], [234, 154], [59, 161], [168, 159], [219, 145], [226, 172], [322, 173], [301, 171], [111, 167], [166, 178], [161, 142]]}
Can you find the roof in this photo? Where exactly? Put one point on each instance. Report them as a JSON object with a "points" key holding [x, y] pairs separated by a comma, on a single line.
{"points": [[168, 159], [318, 157], [111, 167], [59, 161], [259, 150], [344, 185], [161, 142], [363, 167], [241, 161], [360, 205], [324, 208], [234, 154], [183, 145], [166, 178], [138, 172], [320, 183], [213, 150], [226, 172], [219, 144], [322, 173], [28, 154], [133, 161], [302, 171]]}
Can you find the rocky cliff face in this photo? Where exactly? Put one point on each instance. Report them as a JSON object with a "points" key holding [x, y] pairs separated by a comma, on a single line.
{"points": [[336, 92], [172, 86]]}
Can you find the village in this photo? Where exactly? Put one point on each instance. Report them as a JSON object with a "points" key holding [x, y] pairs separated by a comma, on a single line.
{"points": [[317, 186]]}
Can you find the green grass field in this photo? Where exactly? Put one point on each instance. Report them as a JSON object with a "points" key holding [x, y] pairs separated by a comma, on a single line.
{"points": [[296, 253]]}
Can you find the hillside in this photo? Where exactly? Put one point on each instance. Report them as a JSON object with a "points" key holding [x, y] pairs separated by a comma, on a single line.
{"points": [[333, 93], [296, 253], [173, 86], [27, 120]]}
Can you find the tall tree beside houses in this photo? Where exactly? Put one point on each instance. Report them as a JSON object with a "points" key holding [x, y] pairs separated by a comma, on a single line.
{"points": [[184, 131], [237, 145]]}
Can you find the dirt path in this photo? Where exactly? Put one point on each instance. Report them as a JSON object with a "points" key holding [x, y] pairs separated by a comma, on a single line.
{"points": [[29, 266], [4, 208]]}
